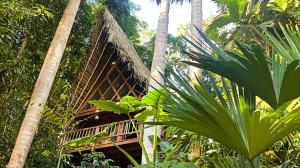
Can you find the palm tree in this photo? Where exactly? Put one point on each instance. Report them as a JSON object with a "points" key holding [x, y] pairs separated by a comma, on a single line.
{"points": [[196, 21], [221, 113], [158, 63], [42, 86], [158, 67]]}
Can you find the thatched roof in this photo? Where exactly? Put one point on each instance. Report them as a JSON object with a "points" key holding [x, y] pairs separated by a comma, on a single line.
{"points": [[121, 43], [108, 39]]}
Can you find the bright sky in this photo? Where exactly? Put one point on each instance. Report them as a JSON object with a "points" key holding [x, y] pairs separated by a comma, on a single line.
{"points": [[179, 14]]}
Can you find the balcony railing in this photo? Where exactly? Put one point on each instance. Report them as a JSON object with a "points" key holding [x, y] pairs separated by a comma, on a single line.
{"points": [[117, 132]]}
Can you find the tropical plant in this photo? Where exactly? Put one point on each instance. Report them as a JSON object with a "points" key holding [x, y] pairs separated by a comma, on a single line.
{"points": [[192, 146], [288, 45], [280, 76], [95, 160], [239, 19], [31, 26], [227, 118], [233, 162], [21, 58], [129, 104], [43, 86], [148, 107], [229, 122]]}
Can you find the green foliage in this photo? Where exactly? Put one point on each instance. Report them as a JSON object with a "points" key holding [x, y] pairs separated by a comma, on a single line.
{"points": [[176, 45], [126, 105], [249, 135], [279, 5], [21, 57], [149, 105], [288, 46], [16, 15], [95, 160], [233, 162], [281, 78], [169, 164], [26, 30], [238, 20]]}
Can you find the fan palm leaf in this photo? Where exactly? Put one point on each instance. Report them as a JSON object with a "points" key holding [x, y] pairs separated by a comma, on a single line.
{"points": [[269, 79], [228, 122]]}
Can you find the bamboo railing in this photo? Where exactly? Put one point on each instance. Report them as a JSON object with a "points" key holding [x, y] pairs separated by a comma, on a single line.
{"points": [[118, 131]]}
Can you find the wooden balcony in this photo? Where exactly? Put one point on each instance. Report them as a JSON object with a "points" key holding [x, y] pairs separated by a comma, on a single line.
{"points": [[120, 133]]}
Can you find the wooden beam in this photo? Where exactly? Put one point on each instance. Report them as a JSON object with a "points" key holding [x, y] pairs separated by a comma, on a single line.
{"points": [[87, 83], [87, 95], [117, 77], [90, 57]]}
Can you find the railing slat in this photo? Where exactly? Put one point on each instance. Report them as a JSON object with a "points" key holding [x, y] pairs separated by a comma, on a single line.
{"points": [[118, 131]]}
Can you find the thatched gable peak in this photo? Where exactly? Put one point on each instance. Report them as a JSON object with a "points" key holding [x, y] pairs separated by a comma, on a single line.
{"points": [[110, 48], [123, 45]]}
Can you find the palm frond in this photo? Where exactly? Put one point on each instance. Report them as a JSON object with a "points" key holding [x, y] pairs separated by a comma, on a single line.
{"points": [[232, 162], [219, 22], [196, 109], [250, 68], [287, 43]]}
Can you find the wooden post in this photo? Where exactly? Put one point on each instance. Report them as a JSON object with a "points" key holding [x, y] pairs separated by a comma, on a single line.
{"points": [[120, 131]]}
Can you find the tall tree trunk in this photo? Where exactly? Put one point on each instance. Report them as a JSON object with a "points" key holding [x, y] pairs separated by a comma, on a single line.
{"points": [[157, 68], [43, 86], [196, 20]]}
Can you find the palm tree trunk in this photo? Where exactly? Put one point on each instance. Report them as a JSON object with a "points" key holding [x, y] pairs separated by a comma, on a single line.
{"points": [[159, 55], [196, 20], [43, 86], [157, 68]]}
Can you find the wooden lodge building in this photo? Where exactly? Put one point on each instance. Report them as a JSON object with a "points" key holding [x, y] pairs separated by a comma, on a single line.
{"points": [[110, 70]]}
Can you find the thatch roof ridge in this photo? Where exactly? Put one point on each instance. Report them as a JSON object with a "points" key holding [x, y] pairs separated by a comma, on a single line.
{"points": [[118, 38]]}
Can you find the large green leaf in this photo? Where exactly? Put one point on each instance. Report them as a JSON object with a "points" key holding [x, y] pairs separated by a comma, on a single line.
{"points": [[232, 162], [231, 124], [126, 105], [250, 68], [219, 22], [109, 106], [287, 46]]}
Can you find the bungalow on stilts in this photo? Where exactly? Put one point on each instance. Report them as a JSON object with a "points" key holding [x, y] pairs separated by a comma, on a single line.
{"points": [[110, 70]]}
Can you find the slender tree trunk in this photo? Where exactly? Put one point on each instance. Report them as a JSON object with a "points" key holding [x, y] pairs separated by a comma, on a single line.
{"points": [[43, 86], [196, 20], [157, 68], [159, 55]]}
